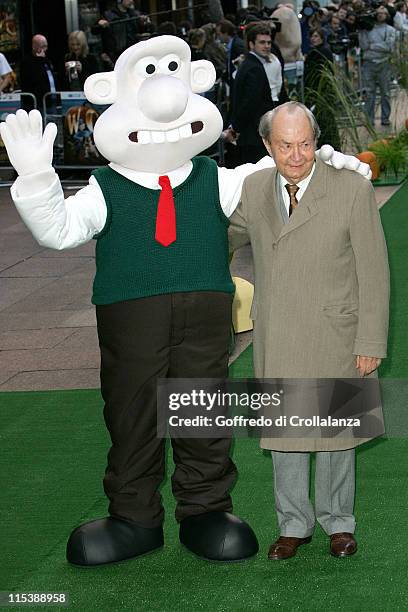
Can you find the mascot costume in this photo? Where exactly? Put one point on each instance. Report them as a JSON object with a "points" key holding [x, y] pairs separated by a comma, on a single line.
{"points": [[162, 289]]}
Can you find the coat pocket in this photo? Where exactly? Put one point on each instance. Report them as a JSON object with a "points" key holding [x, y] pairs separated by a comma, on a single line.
{"points": [[340, 310], [254, 310]]}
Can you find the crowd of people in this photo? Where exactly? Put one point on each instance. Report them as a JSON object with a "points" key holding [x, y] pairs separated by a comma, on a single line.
{"points": [[252, 51]]}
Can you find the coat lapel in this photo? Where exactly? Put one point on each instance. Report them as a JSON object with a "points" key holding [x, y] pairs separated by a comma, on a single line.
{"points": [[269, 207], [309, 204]]}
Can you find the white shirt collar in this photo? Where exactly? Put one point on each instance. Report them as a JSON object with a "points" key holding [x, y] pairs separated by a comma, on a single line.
{"points": [[151, 179], [303, 185], [260, 57]]}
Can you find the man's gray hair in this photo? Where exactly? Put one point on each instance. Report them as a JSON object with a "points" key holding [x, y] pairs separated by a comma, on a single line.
{"points": [[265, 124]]}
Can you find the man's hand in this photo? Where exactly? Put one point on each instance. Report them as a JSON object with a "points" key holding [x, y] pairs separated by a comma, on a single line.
{"points": [[366, 365], [230, 135], [29, 149], [238, 60], [339, 160]]}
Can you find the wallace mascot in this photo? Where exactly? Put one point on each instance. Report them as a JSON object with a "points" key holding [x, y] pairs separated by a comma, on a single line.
{"points": [[162, 289]]}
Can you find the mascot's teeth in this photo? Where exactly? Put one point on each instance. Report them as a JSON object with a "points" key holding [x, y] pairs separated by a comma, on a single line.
{"points": [[143, 136], [185, 131], [158, 137], [173, 135], [146, 137]]}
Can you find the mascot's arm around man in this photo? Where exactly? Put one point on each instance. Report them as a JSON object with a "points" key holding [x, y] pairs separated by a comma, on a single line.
{"points": [[162, 288]]}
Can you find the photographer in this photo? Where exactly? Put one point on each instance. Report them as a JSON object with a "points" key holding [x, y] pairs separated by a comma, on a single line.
{"points": [[312, 17], [378, 45], [334, 30], [338, 40]]}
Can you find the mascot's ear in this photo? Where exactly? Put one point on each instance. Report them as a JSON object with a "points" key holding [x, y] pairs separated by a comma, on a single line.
{"points": [[101, 88], [202, 76]]}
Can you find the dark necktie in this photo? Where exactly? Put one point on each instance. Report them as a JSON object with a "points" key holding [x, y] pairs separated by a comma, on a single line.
{"points": [[292, 191], [166, 214]]}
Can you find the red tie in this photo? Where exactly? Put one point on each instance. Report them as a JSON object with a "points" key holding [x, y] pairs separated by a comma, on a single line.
{"points": [[166, 214]]}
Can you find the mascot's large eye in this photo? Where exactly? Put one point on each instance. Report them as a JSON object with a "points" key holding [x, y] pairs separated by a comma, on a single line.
{"points": [[146, 67], [170, 64]]}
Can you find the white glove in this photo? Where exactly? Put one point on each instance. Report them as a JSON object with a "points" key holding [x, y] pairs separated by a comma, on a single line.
{"points": [[29, 149], [339, 160]]}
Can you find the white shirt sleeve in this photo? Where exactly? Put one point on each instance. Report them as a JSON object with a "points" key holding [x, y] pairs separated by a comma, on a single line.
{"points": [[5, 67], [230, 182], [60, 223]]}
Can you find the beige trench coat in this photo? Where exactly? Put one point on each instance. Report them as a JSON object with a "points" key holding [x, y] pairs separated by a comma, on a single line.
{"points": [[321, 282]]}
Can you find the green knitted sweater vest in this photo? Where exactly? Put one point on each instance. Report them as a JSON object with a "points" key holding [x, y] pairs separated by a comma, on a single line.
{"points": [[130, 263]]}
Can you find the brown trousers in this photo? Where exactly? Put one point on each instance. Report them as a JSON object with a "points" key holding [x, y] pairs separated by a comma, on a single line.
{"points": [[180, 335]]}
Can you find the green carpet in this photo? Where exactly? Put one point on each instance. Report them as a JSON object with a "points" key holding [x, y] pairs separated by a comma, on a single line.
{"points": [[51, 474], [394, 216], [51, 468]]}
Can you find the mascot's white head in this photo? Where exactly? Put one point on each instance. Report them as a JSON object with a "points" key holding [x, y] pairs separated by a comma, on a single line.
{"points": [[156, 121]]}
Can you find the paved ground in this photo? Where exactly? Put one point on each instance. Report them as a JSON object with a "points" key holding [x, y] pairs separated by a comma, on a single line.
{"points": [[47, 323]]}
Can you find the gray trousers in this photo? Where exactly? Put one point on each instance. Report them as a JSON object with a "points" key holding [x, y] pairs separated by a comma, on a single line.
{"points": [[334, 492], [377, 75]]}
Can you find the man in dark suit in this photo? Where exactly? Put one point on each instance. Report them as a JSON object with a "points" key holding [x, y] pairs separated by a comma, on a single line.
{"points": [[259, 87], [226, 32], [37, 73]]}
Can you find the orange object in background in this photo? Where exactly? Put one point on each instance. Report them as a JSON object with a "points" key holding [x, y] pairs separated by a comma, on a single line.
{"points": [[368, 157]]}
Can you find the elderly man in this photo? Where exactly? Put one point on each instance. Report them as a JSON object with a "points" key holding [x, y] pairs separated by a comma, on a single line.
{"points": [[37, 72], [320, 309]]}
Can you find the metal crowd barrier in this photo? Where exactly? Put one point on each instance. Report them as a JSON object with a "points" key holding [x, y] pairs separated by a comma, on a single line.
{"points": [[10, 103], [55, 107], [293, 73]]}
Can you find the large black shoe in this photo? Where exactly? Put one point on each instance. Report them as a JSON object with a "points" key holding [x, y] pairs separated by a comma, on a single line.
{"points": [[110, 540], [218, 536]]}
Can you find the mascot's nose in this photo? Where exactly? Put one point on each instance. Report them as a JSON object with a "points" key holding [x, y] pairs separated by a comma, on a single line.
{"points": [[163, 98]]}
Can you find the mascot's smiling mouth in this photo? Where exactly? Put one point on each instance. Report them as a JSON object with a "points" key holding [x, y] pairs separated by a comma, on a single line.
{"points": [[174, 135]]}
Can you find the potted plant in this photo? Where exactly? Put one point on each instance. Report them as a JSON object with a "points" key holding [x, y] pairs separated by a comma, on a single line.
{"points": [[392, 155]]}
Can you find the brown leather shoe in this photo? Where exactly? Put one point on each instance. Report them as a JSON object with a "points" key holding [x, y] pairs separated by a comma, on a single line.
{"points": [[284, 547], [342, 544]]}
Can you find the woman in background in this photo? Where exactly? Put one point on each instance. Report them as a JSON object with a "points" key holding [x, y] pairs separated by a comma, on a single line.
{"points": [[79, 63], [401, 19]]}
